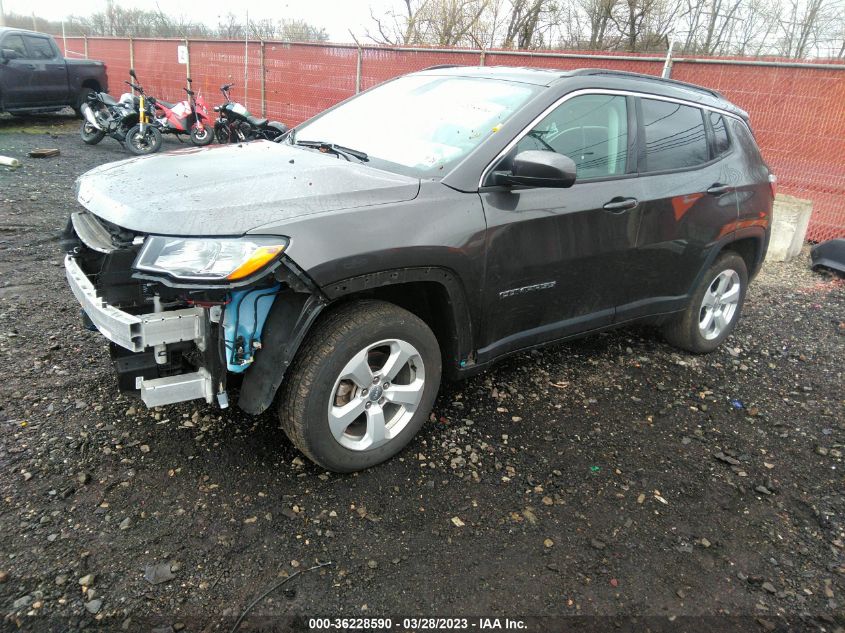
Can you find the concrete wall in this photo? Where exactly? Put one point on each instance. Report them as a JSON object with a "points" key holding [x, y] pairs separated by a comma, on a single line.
{"points": [[789, 227]]}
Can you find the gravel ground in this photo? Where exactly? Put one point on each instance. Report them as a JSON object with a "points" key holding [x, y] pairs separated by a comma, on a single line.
{"points": [[610, 476]]}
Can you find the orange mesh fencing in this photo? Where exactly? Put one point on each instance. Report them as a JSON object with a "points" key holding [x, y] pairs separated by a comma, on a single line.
{"points": [[797, 113]]}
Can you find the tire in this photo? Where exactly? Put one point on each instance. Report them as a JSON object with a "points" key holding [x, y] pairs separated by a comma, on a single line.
{"points": [[223, 134], [202, 137], [90, 135], [325, 377], [81, 99], [714, 309], [274, 131], [141, 145]]}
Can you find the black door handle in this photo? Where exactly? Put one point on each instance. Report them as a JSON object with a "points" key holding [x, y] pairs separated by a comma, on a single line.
{"points": [[718, 189], [617, 205]]}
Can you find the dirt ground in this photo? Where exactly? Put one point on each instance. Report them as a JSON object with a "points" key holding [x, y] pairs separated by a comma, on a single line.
{"points": [[612, 476]]}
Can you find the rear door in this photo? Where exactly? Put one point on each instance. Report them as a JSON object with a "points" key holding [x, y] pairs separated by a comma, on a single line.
{"points": [[49, 78], [555, 256], [15, 74], [688, 203]]}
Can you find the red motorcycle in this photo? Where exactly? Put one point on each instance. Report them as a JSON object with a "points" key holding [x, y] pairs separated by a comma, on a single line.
{"points": [[186, 117]]}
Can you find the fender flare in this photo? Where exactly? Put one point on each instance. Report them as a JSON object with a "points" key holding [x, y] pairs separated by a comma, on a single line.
{"points": [[460, 325], [294, 313], [757, 233]]}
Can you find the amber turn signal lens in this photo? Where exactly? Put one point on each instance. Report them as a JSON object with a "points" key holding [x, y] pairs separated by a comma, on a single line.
{"points": [[262, 256]]}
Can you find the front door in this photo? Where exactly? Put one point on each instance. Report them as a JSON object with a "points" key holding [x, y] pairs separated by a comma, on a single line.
{"points": [[49, 78], [15, 74], [555, 257]]}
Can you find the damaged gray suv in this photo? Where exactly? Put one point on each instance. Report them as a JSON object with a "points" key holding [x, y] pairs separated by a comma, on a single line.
{"points": [[423, 228]]}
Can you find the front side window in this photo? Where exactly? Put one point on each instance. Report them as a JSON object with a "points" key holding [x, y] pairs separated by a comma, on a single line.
{"points": [[40, 47], [674, 135], [15, 42], [419, 125], [592, 130]]}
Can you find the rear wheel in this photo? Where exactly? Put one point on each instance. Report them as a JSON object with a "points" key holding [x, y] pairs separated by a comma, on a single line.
{"points": [[361, 386], [714, 309], [148, 142], [90, 135], [202, 136]]}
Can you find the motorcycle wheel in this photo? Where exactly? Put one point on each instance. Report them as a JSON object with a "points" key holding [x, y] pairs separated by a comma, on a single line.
{"points": [[141, 144], [91, 135], [222, 133], [202, 136]]}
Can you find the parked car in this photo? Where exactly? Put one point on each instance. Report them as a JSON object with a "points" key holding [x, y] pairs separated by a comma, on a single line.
{"points": [[426, 227], [35, 77]]}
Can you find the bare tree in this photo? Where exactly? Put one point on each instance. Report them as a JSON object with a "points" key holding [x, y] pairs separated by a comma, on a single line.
{"points": [[402, 27], [523, 24]]}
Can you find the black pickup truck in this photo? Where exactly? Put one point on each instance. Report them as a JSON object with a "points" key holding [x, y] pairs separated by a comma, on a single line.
{"points": [[35, 77]]}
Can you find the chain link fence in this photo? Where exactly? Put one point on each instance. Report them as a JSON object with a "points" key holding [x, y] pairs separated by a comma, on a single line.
{"points": [[797, 109]]}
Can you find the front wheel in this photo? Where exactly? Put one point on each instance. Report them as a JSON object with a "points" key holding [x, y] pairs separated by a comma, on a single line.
{"points": [[222, 133], [141, 144], [361, 386], [202, 136], [90, 135], [714, 310]]}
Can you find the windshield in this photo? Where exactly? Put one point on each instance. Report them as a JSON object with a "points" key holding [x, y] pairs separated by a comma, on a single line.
{"points": [[419, 125]]}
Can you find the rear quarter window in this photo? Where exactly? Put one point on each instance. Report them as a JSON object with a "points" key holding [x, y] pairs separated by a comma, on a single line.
{"points": [[721, 142], [744, 140], [674, 135]]}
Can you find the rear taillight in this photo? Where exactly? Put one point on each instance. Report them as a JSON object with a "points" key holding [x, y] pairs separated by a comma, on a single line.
{"points": [[773, 185]]}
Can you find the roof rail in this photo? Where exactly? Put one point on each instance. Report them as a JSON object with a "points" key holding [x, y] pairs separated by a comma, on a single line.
{"points": [[623, 73], [439, 66]]}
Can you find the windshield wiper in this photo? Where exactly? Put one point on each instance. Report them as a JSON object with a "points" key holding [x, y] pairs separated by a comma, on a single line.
{"points": [[340, 150]]}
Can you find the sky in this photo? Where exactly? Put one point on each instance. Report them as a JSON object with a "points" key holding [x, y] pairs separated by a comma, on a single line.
{"points": [[336, 16]]}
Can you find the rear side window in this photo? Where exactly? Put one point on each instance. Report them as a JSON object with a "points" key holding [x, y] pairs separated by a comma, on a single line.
{"points": [[674, 135], [40, 47], [15, 42], [721, 144], [592, 130]]}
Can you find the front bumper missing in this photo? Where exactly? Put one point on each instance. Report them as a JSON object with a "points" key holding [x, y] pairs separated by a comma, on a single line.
{"points": [[139, 332]]}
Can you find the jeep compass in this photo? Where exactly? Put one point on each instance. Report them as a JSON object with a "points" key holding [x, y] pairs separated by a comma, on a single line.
{"points": [[421, 229]]}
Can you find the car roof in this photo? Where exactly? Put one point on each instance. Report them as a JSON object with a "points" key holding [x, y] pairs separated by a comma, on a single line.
{"points": [[603, 77], [9, 29]]}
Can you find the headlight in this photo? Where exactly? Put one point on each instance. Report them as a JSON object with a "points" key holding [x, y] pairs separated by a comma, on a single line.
{"points": [[206, 258]]}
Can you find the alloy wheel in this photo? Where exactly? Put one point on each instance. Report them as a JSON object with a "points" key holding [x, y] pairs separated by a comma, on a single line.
{"points": [[376, 394], [719, 305]]}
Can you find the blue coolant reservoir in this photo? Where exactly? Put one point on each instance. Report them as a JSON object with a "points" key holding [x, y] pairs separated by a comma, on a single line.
{"points": [[243, 322]]}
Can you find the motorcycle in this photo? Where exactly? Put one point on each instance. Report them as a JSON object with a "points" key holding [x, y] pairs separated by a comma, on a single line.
{"points": [[186, 117], [125, 120], [235, 123]]}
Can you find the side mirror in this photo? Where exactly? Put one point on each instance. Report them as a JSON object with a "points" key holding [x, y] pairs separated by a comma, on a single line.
{"points": [[8, 54], [539, 168]]}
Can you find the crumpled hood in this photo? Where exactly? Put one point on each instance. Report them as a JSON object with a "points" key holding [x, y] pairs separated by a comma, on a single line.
{"points": [[230, 189]]}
